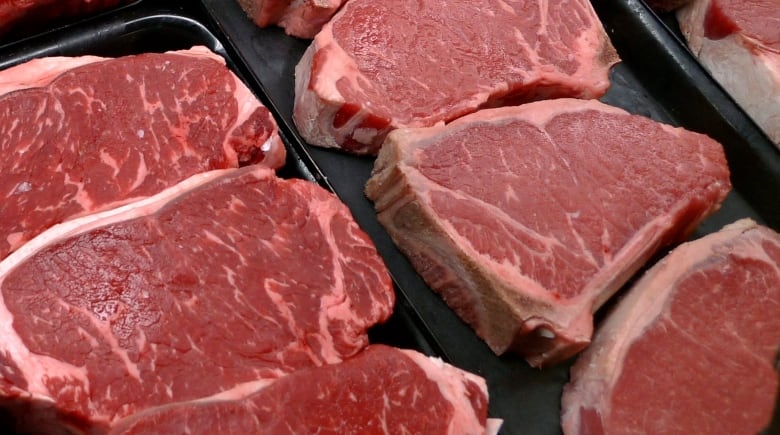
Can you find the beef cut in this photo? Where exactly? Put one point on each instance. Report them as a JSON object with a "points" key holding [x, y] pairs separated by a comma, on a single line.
{"points": [[738, 41], [24, 17], [301, 18], [377, 66], [526, 219], [692, 346], [204, 291], [381, 390], [79, 135]]}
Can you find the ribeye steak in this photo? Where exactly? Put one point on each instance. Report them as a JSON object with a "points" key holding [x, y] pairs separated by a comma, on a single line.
{"points": [[692, 346], [526, 219], [377, 66], [211, 287], [78, 135], [738, 41], [381, 390]]}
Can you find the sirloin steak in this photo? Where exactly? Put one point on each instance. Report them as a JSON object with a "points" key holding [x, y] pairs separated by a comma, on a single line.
{"points": [[738, 41], [526, 219], [203, 291], [301, 18], [381, 390], [84, 134], [377, 66], [692, 346]]}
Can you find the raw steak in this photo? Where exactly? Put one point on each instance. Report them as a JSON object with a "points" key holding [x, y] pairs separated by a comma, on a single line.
{"points": [[691, 348], [301, 18], [526, 219], [738, 41], [78, 135], [381, 390], [21, 15], [383, 65], [210, 288]]}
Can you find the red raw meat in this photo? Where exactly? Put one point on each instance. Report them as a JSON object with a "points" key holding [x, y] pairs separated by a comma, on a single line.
{"points": [[377, 66], [85, 134], [738, 41], [301, 18], [526, 219], [691, 348], [212, 287], [381, 390]]}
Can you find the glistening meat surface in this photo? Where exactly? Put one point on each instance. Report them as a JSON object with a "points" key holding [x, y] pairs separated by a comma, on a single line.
{"points": [[377, 66], [79, 135], [211, 287], [692, 346], [381, 390], [526, 219]]}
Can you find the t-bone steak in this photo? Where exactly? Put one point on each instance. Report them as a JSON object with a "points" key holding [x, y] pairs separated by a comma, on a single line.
{"points": [[209, 288], [526, 219], [381, 390], [691, 348], [377, 66], [301, 18], [738, 41], [84, 134]]}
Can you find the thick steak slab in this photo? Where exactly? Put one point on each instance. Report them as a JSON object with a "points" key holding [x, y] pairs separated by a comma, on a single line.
{"points": [[526, 219], [381, 390], [301, 18], [691, 348], [79, 135], [213, 286], [738, 41], [383, 65]]}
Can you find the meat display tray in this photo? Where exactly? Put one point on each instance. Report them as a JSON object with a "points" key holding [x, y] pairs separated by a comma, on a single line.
{"points": [[658, 78]]}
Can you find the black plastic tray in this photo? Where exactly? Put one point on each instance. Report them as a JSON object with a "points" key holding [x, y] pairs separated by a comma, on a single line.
{"points": [[657, 78], [172, 25]]}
